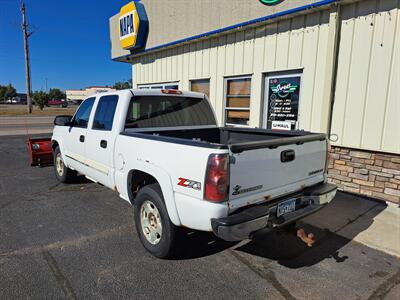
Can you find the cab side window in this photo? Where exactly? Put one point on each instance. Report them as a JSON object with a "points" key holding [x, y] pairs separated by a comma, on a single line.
{"points": [[105, 111], [82, 115]]}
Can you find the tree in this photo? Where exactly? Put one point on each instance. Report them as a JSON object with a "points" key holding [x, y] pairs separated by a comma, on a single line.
{"points": [[10, 91], [123, 85], [40, 98], [3, 90], [56, 94], [7, 92]]}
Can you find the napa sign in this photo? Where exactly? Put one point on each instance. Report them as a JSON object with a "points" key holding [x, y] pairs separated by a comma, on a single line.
{"points": [[133, 26]]}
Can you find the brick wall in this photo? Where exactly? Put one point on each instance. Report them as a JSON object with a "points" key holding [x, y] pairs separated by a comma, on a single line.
{"points": [[373, 174]]}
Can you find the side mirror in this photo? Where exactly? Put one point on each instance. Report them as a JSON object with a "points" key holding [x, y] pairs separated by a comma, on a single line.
{"points": [[63, 121]]}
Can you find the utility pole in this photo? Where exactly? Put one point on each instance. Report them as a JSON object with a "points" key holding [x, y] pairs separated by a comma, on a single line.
{"points": [[27, 62]]}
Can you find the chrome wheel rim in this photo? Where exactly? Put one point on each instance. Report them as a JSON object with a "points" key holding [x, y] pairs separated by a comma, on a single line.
{"points": [[151, 222], [59, 165]]}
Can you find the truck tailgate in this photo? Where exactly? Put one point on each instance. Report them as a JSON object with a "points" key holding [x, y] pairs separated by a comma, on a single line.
{"points": [[263, 171]]}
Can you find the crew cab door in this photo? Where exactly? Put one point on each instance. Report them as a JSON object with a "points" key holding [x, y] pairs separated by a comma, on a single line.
{"points": [[75, 137], [99, 149]]}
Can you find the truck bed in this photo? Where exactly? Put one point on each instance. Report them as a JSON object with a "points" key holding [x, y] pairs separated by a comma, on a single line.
{"points": [[236, 139], [293, 161]]}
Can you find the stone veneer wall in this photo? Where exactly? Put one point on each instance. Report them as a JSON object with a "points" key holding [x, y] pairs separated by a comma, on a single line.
{"points": [[368, 173]]}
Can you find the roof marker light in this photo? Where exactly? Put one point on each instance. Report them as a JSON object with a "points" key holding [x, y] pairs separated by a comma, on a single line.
{"points": [[172, 92]]}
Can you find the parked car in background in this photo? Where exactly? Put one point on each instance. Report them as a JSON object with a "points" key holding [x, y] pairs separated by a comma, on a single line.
{"points": [[14, 100], [59, 103]]}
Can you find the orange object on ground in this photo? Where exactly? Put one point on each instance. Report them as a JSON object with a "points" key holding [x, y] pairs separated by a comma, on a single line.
{"points": [[306, 238]]}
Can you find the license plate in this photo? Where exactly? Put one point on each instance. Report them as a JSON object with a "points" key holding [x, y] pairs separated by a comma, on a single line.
{"points": [[286, 207]]}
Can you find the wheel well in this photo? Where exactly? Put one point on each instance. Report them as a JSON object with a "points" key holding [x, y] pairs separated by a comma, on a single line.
{"points": [[138, 179], [54, 145]]}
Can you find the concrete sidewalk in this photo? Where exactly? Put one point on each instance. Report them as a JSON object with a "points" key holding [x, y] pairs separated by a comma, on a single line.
{"points": [[374, 224]]}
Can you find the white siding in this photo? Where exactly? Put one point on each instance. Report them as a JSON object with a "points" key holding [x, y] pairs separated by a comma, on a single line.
{"points": [[366, 111], [173, 20], [300, 42]]}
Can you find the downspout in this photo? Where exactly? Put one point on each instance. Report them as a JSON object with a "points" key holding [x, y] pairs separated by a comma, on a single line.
{"points": [[335, 66]]}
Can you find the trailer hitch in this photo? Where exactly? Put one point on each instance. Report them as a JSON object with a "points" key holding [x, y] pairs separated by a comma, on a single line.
{"points": [[308, 239]]}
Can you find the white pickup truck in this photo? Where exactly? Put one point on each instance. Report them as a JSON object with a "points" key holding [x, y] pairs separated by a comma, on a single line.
{"points": [[163, 151]]}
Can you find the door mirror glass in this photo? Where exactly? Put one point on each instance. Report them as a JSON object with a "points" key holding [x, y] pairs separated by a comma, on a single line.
{"points": [[63, 121]]}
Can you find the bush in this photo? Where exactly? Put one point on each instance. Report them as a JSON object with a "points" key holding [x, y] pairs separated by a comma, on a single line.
{"points": [[40, 99], [56, 94]]}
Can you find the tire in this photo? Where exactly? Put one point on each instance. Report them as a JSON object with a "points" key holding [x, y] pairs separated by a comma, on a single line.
{"points": [[63, 174], [150, 212]]}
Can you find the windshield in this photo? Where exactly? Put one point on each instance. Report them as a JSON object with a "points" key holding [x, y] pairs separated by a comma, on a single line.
{"points": [[168, 111]]}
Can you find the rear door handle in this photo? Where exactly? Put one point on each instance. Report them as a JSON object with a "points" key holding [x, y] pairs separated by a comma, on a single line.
{"points": [[82, 138], [103, 144], [287, 156]]}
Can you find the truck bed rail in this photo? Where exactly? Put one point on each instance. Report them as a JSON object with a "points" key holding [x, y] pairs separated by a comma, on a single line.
{"points": [[274, 143]]}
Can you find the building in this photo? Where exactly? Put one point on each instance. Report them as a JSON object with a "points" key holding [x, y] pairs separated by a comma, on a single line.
{"points": [[79, 95], [327, 66]]}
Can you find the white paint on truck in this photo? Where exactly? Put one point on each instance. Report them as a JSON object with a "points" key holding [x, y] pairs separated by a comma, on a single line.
{"points": [[171, 136]]}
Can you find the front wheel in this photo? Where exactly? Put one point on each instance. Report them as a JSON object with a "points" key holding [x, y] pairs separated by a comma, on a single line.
{"points": [[156, 231], [63, 174]]}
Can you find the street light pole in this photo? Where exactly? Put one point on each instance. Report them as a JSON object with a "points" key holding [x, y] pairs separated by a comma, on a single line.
{"points": [[27, 62]]}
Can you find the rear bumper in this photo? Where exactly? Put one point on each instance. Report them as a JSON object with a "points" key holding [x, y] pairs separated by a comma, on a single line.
{"points": [[243, 225]]}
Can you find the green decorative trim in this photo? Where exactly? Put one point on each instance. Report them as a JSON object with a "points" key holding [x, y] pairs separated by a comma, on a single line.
{"points": [[284, 89], [269, 2]]}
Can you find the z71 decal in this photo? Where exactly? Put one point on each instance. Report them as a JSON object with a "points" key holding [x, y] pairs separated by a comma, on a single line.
{"points": [[189, 184]]}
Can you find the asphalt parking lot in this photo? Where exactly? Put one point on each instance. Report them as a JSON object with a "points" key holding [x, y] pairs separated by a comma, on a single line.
{"points": [[78, 241]]}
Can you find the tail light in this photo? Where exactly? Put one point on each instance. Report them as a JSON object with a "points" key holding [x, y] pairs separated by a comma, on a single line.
{"points": [[217, 178]]}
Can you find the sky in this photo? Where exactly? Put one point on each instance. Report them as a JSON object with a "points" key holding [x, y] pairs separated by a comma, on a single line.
{"points": [[70, 44]]}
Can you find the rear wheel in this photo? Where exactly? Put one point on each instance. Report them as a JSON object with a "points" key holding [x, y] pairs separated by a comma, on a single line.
{"points": [[63, 174], [156, 231]]}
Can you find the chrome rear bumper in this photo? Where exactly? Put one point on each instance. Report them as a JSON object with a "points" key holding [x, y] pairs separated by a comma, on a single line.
{"points": [[244, 224]]}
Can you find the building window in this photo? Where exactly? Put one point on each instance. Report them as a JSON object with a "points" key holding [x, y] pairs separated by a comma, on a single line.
{"points": [[201, 86], [282, 93], [174, 86], [167, 86], [237, 105]]}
